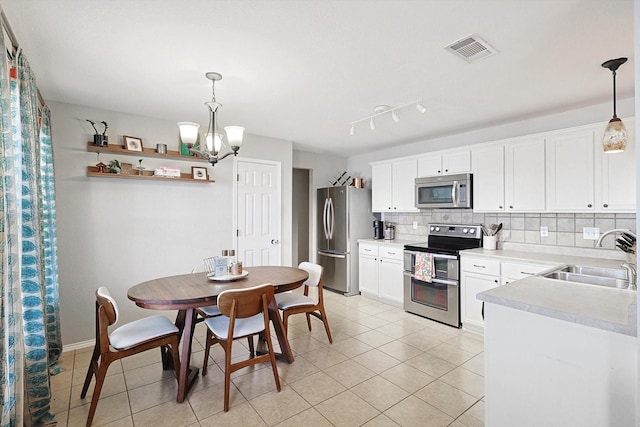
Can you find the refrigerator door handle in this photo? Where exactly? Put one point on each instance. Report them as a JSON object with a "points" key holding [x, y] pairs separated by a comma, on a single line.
{"points": [[331, 255], [324, 218], [332, 219]]}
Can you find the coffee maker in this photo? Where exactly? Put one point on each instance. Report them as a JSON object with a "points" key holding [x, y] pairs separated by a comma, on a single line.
{"points": [[378, 229]]}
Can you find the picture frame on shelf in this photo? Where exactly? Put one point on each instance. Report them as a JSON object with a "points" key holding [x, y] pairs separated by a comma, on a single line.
{"points": [[199, 173], [132, 143]]}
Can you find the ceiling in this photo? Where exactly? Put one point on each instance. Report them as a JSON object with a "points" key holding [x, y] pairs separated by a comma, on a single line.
{"points": [[303, 70]]}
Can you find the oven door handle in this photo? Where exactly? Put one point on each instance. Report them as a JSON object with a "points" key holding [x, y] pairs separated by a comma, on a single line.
{"points": [[434, 280], [435, 256]]}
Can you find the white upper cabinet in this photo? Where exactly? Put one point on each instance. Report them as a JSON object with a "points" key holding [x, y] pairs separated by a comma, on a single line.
{"points": [[445, 163], [393, 188], [616, 174], [524, 170], [488, 178], [570, 171]]}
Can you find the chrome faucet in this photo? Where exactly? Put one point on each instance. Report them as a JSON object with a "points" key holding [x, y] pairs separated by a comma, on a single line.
{"points": [[632, 275], [615, 230]]}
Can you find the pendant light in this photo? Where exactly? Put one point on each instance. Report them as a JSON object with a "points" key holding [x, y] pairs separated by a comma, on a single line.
{"points": [[615, 135]]}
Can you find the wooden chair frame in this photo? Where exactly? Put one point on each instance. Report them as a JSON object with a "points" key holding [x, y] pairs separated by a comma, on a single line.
{"points": [[104, 354], [238, 304], [316, 310]]}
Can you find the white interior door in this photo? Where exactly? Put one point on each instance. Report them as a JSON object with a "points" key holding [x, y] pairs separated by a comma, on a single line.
{"points": [[257, 215]]}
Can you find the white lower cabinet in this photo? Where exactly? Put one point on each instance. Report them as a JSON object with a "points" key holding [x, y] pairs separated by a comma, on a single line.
{"points": [[479, 274], [381, 272], [512, 271]]}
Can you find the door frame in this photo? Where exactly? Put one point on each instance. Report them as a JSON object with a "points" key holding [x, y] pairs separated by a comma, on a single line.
{"points": [[234, 231]]}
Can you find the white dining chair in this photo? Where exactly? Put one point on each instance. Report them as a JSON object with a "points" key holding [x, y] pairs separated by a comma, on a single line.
{"points": [[293, 303], [127, 340]]}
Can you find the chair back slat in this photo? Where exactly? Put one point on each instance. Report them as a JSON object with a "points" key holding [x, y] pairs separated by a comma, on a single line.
{"points": [[105, 300], [248, 301], [314, 271]]}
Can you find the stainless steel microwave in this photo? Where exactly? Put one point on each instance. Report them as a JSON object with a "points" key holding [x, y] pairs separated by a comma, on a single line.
{"points": [[444, 191]]}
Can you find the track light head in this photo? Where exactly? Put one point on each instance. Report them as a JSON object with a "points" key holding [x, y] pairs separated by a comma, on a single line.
{"points": [[421, 108], [394, 116], [353, 130], [372, 125]]}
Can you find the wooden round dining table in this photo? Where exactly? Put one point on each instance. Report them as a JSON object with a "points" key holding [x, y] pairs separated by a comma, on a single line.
{"points": [[187, 292]]}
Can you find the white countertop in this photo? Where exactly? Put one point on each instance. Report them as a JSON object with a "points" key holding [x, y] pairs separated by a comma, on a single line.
{"points": [[394, 242], [600, 307]]}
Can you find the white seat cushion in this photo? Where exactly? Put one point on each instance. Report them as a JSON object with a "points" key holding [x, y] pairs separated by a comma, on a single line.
{"points": [[243, 327], [289, 299], [210, 310], [140, 331]]}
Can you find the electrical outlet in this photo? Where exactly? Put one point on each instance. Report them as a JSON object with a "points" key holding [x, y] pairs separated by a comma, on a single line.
{"points": [[415, 225], [544, 231], [590, 233]]}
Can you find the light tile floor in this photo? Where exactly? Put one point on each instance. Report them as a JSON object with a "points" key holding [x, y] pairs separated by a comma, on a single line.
{"points": [[386, 367]]}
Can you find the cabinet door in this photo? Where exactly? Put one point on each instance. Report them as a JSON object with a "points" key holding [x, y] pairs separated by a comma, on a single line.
{"points": [[404, 184], [430, 166], [368, 275], [391, 281], [570, 171], [488, 179], [525, 176], [472, 285], [512, 271], [456, 162], [381, 189], [616, 176]]}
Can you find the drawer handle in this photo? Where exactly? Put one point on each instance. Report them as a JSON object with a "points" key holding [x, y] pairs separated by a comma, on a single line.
{"points": [[367, 250], [479, 266], [391, 253], [527, 273]]}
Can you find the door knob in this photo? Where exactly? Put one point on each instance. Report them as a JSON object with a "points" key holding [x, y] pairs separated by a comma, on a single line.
{"points": [[274, 241]]}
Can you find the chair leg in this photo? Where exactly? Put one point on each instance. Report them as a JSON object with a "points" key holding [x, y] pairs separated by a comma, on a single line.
{"points": [[272, 357], [252, 351], [285, 322], [207, 347], [227, 372], [100, 376], [326, 324], [308, 320], [91, 371]]}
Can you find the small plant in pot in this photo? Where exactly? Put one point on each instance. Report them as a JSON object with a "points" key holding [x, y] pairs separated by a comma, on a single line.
{"points": [[114, 166]]}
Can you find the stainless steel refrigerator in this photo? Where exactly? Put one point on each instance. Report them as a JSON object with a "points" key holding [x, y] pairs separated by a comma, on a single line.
{"points": [[344, 216]]}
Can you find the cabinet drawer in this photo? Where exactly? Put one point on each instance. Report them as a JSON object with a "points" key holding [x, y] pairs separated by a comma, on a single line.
{"points": [[368, 249], [514, 271], [390, 252], [480, 266]]}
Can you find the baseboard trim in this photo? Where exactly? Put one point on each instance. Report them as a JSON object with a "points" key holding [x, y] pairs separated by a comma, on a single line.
{"points": [[79, 345]]}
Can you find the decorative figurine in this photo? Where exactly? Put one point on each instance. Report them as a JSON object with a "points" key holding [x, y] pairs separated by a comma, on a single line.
{"points": [[100, 140]]}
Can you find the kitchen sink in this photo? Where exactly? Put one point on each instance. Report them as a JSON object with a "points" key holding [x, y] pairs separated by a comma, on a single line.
{"points": [[614, 273], [611, 282]]}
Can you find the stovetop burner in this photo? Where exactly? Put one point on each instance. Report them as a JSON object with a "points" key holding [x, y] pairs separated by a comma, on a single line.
{"points": [[449, 238]]}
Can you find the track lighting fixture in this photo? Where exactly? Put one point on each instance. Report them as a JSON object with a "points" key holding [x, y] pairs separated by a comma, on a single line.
{"points": [[380, 110]]}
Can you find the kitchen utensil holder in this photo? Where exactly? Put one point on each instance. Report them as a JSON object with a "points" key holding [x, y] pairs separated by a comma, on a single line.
{"points": [[489, 242]]}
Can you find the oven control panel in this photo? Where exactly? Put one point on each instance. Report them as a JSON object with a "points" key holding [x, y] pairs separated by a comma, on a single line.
{"points": [[469, 231]]}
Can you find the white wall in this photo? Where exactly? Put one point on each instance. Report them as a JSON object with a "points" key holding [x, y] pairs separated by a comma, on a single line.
{"points": [[121, 232], [582, 116]]}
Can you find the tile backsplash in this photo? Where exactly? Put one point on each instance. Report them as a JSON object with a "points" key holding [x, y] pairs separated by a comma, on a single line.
{"points": [[565, 229]]}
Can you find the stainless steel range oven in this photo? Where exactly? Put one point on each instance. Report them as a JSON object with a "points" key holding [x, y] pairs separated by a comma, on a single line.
{"points": [[439, 298]]}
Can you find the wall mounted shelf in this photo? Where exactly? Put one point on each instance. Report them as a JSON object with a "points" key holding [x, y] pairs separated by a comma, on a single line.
{"points": [[147, 174], [146, 152]]}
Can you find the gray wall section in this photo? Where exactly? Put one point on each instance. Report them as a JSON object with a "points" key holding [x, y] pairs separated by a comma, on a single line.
{"points": [[119, 233], [301, 219]]}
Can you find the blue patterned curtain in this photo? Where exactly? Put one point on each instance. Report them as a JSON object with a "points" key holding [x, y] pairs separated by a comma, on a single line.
{"points": [[30, 341]]}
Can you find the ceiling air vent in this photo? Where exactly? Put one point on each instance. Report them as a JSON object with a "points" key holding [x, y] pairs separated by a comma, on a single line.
{"points": [[471, 48]]}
